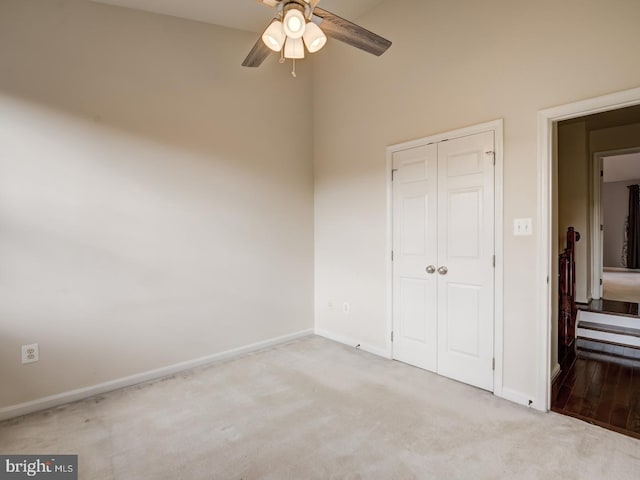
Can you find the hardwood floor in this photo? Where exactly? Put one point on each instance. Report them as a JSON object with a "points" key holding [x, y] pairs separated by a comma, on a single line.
{"points": [[621, 285], [601, 390]]}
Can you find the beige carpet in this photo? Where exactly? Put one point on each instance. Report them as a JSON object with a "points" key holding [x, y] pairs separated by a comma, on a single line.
{"points": [[313, 409], [622, 286]]}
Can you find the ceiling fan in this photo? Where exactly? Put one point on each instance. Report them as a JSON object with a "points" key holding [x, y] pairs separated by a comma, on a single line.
{"points": [[301, 23]]}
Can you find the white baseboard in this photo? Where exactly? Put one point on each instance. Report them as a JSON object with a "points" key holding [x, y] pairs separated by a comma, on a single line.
{"points": [[521, 398], [13, 411], [352, 343]]}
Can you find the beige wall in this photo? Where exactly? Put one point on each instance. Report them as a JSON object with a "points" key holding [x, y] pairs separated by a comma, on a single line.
{"points": [[574, 198], [453, 63], [150, 211], [615, 138]]}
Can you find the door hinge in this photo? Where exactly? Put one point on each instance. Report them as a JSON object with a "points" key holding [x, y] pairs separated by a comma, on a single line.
{"points": [[392, 255], [602, 228], [602, 173], [493, 363], [393, 174], [600, 281], [494, 261], [493, 155], [392, 336]]}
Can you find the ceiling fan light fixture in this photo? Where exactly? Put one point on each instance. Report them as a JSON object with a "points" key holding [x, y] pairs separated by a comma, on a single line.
{"points": [[294, 48], [294, 23], [301, 25], [274, 37], [314, 38]]}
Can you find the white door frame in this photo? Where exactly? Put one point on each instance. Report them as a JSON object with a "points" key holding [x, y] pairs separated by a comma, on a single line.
{"points": [[497, 127], [547, 120], [597, 247]]}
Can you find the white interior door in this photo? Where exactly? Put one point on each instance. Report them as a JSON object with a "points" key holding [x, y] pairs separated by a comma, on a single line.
{"points": [[415, 241], [465, 259], [598, 224], [443, 246]]}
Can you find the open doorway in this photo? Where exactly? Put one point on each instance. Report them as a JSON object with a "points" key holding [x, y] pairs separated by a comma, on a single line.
{"points": [[617, 274], [547, 270], [598, 156], [595, 296]]}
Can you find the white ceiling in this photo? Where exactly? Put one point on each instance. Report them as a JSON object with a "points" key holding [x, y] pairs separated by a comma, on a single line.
{"points": [[620, 168], [247, 15]]}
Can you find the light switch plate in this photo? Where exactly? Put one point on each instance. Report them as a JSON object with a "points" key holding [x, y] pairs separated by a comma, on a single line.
{"points": [[523, 226]]}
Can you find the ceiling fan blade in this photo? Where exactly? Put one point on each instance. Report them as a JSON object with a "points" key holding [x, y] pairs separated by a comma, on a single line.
{"points": [[269, 3], [355, 35], [258, 53]]}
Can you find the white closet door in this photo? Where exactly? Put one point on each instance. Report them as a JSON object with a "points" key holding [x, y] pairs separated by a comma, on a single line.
{"points": [[465, 259], [415, 249]]}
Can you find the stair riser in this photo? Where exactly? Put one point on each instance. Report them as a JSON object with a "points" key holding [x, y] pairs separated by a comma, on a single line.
{"points": [[616, 338], [607, 357], [613, 320]]}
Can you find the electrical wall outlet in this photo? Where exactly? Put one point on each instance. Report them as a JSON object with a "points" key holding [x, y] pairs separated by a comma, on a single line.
{"points": [[30, 353]]}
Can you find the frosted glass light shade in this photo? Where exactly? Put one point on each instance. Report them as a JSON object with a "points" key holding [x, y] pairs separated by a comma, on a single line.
{"points": [[314, 38], [294, 23], [273, 37], [294, 48]]}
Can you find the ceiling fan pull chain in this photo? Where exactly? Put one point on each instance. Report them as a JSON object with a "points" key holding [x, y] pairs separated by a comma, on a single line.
{"points": [[293, 72]]}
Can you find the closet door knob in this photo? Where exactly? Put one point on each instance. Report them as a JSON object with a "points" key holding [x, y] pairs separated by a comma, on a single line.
{"points": [[431, 269], [443, 270]]}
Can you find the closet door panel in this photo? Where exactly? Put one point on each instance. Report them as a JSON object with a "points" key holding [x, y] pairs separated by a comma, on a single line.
{"points": [[465, 259], [414, 249]]}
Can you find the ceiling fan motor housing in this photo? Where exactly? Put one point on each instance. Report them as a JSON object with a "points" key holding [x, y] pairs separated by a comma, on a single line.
{"points": [[299, 5]]}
